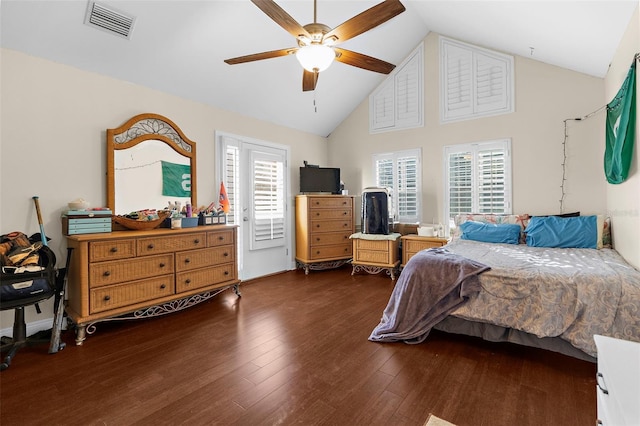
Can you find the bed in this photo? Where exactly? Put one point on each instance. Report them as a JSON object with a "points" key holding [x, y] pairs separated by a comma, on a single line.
{"points": [[556, 298]]}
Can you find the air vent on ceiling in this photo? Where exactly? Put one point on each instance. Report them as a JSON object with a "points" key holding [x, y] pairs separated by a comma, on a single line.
{"points": [[109, 19]]}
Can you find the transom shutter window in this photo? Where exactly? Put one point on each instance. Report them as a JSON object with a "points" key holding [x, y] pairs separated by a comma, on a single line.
{"points": [[478, 178], [398, 103], [474, 82], [400, 173], [268, 203]]}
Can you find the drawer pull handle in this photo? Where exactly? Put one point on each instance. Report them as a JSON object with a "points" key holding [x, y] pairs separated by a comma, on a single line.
{"points": [[602, 387], [318, 226], [318, 252], [317, 239], [162, 265], [225, 254], [114, 249], [221, 238], [196, 241], [163, 286], [106, 273], [187, 260], [226, 272], [187, 281], [107, 297], [151, 246]]}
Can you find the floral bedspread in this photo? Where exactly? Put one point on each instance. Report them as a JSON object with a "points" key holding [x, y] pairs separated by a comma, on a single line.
{"points": [[567, 293]]}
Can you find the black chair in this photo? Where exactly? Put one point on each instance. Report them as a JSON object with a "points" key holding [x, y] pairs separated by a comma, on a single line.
{"points": [[19, 290]]}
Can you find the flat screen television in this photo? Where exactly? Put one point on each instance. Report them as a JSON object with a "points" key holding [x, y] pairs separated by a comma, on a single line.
{"points": [[320, 179]]}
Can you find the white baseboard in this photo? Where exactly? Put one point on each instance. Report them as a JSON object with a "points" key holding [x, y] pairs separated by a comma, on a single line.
{"points": [[32, 327]]}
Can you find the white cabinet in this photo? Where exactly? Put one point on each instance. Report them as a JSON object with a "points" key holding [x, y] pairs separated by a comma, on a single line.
{"points": [[618, 380]]}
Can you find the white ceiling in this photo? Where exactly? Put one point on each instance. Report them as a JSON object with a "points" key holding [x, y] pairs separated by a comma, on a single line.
{"points": [[178, 46]]}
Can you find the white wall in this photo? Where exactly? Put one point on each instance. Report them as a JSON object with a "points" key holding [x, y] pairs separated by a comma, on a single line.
{"points": [[546, 95], [623, 200], [52, 142]]}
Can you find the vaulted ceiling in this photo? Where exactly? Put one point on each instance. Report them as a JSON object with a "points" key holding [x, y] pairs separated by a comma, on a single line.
{"points": [[179, 46]]}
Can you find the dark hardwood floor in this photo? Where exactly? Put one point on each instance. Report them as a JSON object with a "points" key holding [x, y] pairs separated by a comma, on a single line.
{"points": [[292, 350]]}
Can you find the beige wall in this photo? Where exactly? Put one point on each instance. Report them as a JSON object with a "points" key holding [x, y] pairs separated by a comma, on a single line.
{"points": [[623, 200], [53, 144], [545, 96]]}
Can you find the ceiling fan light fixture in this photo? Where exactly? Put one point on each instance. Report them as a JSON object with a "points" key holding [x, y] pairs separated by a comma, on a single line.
{"points": [[315, 57]]}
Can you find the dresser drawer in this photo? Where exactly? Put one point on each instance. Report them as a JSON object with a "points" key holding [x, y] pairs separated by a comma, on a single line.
{"points": [[413, 246], [106, 273], [329, 203], [111, 250], [220, 238], [156, 245], [322, 214], [119, 295], [337, 251], [373, 256], [195, 259], [191, 280], [329, 238], [331, 225]]}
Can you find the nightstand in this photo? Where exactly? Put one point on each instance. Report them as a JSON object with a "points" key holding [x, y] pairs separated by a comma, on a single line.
{"points": [[374, 253], [411, 244]]}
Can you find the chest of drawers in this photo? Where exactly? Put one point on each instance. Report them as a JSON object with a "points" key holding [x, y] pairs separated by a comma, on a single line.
{"points": [[323, 226], [138, 274]]}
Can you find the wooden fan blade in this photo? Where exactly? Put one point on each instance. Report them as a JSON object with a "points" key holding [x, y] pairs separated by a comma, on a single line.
{"points": [[280, 17], [363, 61], [365, 21], [262, 55], [309, 80]]}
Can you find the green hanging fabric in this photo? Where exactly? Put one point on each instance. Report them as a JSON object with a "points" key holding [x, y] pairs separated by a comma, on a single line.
{"points": [[176, 179], [620, 130]]}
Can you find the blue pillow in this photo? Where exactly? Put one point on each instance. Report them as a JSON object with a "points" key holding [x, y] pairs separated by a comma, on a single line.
{"points": [[570, 232], [506, 233]]}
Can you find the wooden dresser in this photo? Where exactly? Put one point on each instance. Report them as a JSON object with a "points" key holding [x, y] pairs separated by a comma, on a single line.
{"points": [[323, 226], [411, 244], [138, 274]]}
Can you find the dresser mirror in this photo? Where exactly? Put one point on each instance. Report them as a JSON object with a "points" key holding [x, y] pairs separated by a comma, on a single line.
{"points": [[147, 157]]}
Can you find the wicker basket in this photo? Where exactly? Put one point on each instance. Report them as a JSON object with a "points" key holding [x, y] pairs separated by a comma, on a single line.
{"points": [[141, 225]]}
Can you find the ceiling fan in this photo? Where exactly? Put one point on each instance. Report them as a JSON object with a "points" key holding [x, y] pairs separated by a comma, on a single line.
{"points": [[316, 42]]}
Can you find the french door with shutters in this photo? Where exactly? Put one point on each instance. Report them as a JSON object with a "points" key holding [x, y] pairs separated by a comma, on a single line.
{"points": [[255, 176]]}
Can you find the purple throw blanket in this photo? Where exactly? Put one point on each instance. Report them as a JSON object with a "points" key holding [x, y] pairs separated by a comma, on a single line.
{"points": [[432, 284]]}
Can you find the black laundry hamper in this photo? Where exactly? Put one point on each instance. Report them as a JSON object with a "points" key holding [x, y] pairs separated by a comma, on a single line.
{"points": [[19, 290]]}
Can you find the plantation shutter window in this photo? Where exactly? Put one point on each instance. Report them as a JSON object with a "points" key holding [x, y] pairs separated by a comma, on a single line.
{"points": [[478, 178], [268, 207], [231, 180], [398, 103], [474, 82], [400, 173]]}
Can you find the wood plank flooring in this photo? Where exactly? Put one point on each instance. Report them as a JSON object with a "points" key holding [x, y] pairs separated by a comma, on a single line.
{"points": [[292, 350]]}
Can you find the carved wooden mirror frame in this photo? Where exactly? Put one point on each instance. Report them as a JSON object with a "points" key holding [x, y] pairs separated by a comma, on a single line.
{"points": [[141, 128]]}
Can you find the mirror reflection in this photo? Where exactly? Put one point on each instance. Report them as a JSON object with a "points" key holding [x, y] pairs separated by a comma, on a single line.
{"points": [[150, 163], [150, 175]]}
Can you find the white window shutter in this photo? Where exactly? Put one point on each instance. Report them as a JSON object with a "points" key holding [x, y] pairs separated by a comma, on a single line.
{"points": [[457, 75], [382, 112], [478, 178], [398, 103], [491, 84], [401, 173], [408, 88], [474, 82], [268, 202]]}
